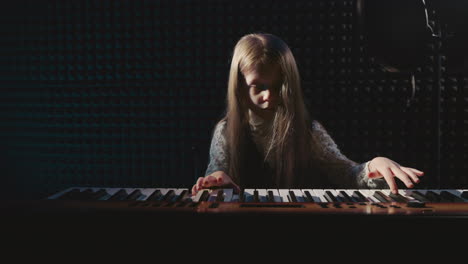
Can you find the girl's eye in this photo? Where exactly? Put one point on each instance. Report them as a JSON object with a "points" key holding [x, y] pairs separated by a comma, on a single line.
{"points": [[262, 87]]}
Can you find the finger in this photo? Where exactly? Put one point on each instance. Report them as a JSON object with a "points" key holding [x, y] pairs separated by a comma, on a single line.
{"points": [[412, 175], [390, 179], [418, 172], [194, 190], [199, 183], [209, 181], [402, 176], [374, 175]]}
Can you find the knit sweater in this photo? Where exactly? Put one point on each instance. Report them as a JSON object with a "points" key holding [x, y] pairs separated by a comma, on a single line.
{"points": [[335, 168]]}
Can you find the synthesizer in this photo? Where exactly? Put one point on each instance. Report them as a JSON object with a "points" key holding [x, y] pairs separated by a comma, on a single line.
{"points": [[448, 202]]}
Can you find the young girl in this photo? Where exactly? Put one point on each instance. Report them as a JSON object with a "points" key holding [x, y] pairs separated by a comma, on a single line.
{"points": [[267, 138]]}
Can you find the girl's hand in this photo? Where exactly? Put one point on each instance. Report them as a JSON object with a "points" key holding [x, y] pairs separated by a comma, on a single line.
{"points": [[215, 179], [383, 167]]}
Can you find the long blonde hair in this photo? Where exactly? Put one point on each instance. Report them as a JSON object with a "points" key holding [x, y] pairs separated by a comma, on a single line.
{"points": [[290, 142]]}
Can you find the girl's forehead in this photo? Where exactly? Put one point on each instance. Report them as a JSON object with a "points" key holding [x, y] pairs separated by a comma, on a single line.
{"points": [[262, 73]]}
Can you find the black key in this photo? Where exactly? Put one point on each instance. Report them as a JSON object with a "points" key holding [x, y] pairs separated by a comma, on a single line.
{"points": [[241, 196], [220, 196], [330, 197], [155, 196], [381, 197], [398, 198], [255, 197], [309, 197], [450, 197], [134, 195], [293, 197], [70, 195], [205, 196], [99, 194], [359, 196], [464, 194], [345, 197], [181, 196], [168, 196], [419, 196], [119, 196], [271, 197], [433, 197]]}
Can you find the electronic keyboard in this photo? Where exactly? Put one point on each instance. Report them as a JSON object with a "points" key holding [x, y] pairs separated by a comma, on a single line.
{"points": [[219, 201]]}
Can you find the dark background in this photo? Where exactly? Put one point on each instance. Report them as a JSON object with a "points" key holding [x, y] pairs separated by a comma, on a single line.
{"points": [[126, 93]]}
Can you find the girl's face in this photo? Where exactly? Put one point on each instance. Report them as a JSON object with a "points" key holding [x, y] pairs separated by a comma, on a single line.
{"points": [[264, 85]]}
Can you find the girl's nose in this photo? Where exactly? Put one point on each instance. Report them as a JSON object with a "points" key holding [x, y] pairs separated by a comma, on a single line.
{"points": [[266, 95]]}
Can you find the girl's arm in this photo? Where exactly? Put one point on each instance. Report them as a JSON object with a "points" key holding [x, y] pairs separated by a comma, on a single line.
{"points": [[218, 150], [340, 170]]}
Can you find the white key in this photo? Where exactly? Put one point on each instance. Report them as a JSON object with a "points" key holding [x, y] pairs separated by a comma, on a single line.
{"points": [[284, 194], [235, 198], [226, 193], [321, 195], [369, 194], [197, 197], [55, 196], [248, 195], [262, 195], [458, 192]]}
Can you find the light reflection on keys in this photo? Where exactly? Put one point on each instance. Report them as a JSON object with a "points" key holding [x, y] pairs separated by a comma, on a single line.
{"points": [[171, 195]]}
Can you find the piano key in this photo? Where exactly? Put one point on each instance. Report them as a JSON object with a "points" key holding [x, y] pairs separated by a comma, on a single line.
{"points": [[134, 195], [270, 197], [464, 195], [406, 193], [450, 197], [228, 194], [381, 197], [256, 198], [459, 193], [204, 196], [358, 195], [321, 195], [419, 195], [70, 195], [432, 196], [337, 195], [399, 197], [168, 196], [276, 196], [200, 194], [241, 196], [311, 196], [120, 195], [369, 195], [99, 194], [262, 195], [344, 196], [220, 196], [292, 196], [155, 196], [330, 196], [249, 195], [298, 194], [182, 195], [284, 194]]}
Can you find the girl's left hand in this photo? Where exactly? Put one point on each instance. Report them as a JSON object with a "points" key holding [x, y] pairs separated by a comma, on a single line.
{"points": [[383, 167]]}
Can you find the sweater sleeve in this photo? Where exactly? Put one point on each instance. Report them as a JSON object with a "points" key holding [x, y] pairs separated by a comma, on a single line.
{"points": [[340, 170], [218, 160]]}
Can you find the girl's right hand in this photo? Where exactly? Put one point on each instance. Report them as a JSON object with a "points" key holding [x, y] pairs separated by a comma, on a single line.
{"points": [[215, 179]]}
